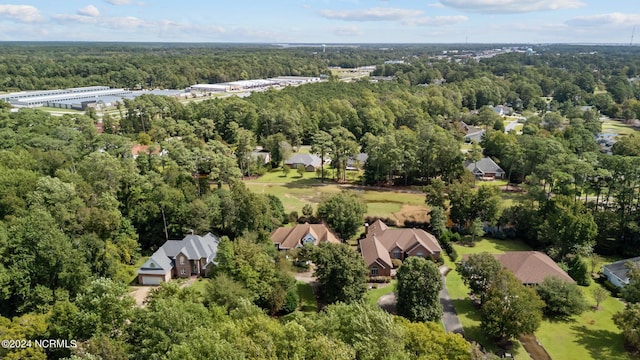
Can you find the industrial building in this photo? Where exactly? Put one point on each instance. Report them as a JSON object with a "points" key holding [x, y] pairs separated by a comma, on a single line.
{"points": [[80, 98], [256, 84]]}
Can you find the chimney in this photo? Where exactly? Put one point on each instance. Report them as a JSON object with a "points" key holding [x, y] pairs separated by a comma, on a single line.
{"points": [[366, 229]]}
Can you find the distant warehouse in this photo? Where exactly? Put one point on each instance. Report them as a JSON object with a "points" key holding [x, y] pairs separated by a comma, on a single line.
{"points": [[79, 98], [242, 85]]}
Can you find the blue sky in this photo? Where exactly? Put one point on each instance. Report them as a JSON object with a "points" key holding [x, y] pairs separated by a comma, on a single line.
{"points": [[322, 21]]}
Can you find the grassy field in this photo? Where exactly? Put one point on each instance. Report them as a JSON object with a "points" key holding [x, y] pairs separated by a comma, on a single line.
{"points": [[618, 127], [308, 302], [591, 335], [373, 295], [295, 191]]}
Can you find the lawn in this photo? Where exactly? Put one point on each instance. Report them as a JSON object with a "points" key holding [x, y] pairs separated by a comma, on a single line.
{"points": [[308, 302], [618, 127], [373, 295], [591, 335], [295, 191]]}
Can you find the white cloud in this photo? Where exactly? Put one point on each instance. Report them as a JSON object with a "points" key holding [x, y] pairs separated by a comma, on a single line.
{"points": [[349, 30], [89, 11], [119, 2], [66, 18], [373, 14], [512, 6], [21, 13], [436, 20], [436, 5], [612, 19]]}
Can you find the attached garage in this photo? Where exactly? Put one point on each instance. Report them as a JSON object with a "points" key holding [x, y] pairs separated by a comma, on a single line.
{"points": [[150, 279]]}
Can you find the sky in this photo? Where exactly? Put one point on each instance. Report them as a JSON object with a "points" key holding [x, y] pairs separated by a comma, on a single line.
{"points": [[323, 21]]}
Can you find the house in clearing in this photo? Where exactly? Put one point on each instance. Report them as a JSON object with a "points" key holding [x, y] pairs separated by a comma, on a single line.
{"points": [[618, 272], [310, 162], [193, 255], [382, 244], [286, 238], [485, 168], [531, 267]]}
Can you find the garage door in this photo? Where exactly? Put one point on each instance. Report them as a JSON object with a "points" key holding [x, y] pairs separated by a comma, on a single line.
{"points": [[151, 280]]}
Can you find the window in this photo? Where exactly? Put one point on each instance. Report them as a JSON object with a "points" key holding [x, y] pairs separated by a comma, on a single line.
{"points": [[183, 272], [374, 270], [396, 253], [420, 254], [182, 260]]}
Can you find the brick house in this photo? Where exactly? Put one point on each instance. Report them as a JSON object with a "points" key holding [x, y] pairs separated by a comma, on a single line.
{"points": [[191, 256]]}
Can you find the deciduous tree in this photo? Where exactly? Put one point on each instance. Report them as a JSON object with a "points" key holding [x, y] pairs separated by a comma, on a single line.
{"points": [[417, 290]]}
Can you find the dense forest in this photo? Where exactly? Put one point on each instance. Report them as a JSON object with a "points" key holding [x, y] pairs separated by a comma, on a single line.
{"points": [[77, 210]]}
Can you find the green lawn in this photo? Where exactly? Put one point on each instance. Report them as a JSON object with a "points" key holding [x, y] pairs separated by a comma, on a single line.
{"points": [[618, 127], [295, 191], [591, 335], [373, 295], [308, 302]]}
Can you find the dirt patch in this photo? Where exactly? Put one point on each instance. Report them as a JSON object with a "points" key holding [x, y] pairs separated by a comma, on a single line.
{"points": [[139, 293], [533, 347], [411, 213]]}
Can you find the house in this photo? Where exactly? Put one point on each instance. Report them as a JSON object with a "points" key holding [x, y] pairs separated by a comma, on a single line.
{"points": [[138, 149], [261, 156], [376, 257], [617, 272], [397, 244], [310, 162], [192, 255], [531, 267], [286, 238], [357, 162], [502, 110], [472, 133], [485, 168]]}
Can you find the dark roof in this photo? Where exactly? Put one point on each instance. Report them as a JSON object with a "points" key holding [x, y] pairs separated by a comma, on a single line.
{"points": [[404, 239], [619, 268], [305, 159], [484, 165], [531, 267], [194, 247]]}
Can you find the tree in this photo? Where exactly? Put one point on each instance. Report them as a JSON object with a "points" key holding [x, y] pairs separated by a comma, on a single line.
{"points": [[427, 340], [631, 291], [300, 169], [628, 321], [343, 212], [578, 271], [436, 193], [307, 210], [343, 147], [321, 144], [561, 298], [476, 229], [341, 273], [438, 220], [478, 272], [417, 290], [510, 308], [599, 294]]}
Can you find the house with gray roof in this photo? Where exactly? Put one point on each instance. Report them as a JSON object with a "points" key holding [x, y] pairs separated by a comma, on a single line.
{"points": [[191, 256], [618, 272], [485, 168], [310, 162]]}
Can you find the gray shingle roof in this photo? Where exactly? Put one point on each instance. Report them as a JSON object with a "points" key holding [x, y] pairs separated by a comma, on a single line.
{"points": [[484, 165], [306, 159], [193, 246], [619, 268]]}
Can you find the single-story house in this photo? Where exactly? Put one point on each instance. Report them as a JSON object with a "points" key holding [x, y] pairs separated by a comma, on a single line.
{"points": [[617, 272], [357, 162], [192, 255], [485, 168], [310, 162], [286, 238], [260, 155], [397, 243], [531, 267], [502, 110]]}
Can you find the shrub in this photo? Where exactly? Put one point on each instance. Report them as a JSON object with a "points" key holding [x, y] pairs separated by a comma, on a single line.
{"points": [[396, 263], [291, 301], [293, 216], [579, 272], [380, 279], [561, 298]]}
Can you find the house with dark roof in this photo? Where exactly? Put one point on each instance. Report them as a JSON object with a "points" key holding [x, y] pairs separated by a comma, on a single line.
{"points": [[193, 255], [485, 169], [531, 267], [472, 133], [382, 244], [286, 238], [618, 272], [357, 162], [310, 162]]}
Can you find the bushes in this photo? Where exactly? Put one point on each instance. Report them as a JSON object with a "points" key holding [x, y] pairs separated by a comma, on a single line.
{"points": [[380, 279], [396, 263], [445, 243], [579, 272], [387, 221]]}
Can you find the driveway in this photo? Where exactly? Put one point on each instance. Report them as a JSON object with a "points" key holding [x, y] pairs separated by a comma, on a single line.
{"points": [[449, 317], [139, 293]]}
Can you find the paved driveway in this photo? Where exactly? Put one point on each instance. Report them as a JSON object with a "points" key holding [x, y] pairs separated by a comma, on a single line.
{"points": [[449, 317]]}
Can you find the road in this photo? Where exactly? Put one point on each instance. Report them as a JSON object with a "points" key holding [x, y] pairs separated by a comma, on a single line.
{"points": [[510, 126]]}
